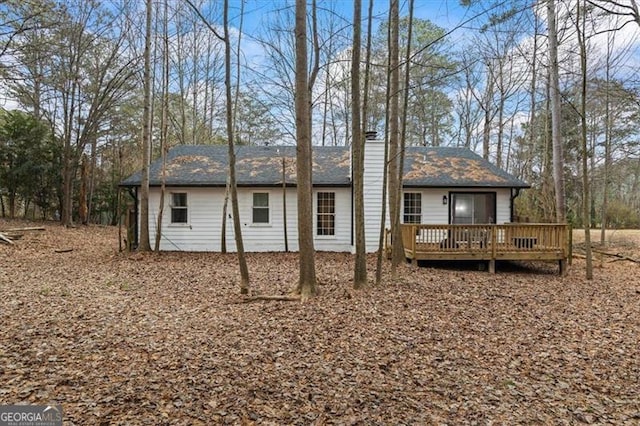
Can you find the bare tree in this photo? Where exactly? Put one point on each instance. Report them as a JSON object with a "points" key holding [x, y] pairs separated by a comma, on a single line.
{"points": [[489, 110], [307, 280], [467, 106], [405, 109], [357, 152], [558, 158], [385, 166], [164, 122], [144, 243], [619, 8], [607, 140], [586, 210], [237, 229], [395, 190]]}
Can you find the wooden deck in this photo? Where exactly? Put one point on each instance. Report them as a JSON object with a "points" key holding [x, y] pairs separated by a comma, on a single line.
{"points": [[489, 242]]}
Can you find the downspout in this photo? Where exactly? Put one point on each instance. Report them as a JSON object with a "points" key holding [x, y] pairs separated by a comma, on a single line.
{"points": [[513, 197], [351, 238], [352, 209], [284, 205]]}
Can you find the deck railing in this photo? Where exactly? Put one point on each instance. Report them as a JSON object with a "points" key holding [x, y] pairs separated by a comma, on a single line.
{"points": [[489, 242]]}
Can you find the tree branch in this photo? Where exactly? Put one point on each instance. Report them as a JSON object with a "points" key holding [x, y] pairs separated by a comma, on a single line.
{"points": [[204, 20]]}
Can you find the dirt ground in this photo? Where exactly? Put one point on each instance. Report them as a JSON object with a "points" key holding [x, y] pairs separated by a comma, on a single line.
{"points": [[613, 237], [119, 338]]}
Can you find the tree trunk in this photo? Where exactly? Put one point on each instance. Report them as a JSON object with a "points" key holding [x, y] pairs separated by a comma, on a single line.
{"points": [[607, 144], [83, 209], [385, 166], [144, 243], [395, 190], [499, 141], [92, 176], [12, 206], [357, 151], [488, 115], [400, 256], [164, 123], [531, 140], [67, 185], [307, 279], [223, 229], [586, 210], [237, 230], [284, 205], [558, 158]]}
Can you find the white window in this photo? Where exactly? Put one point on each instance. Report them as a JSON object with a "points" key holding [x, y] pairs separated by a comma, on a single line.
{"points": [[260, 207], [179, 207], [412, 207], [326, 219]]}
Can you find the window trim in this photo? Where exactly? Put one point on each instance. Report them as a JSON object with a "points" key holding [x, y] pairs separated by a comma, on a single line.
{"points": [[172, 206], [331, 215], [404, 207], [254, 207]]}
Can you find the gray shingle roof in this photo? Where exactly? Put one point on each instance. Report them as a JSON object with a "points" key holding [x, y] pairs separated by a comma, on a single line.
{"points": [[454, 167], [206, 165]]}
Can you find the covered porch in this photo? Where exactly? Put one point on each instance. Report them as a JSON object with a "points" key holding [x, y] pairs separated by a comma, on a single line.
{"points": [[512, 241]]}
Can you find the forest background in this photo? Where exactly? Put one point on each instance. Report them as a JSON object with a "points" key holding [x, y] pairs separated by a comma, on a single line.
{"points": [[71, 75]]}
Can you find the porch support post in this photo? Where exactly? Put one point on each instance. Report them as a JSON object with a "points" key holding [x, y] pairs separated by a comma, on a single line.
{"points": [[494, 240], [415, 237], [563, 267], [414, 260]]}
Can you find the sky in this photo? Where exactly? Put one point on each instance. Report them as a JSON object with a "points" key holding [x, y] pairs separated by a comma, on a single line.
{"points": [[257, 14], [445, 13]]}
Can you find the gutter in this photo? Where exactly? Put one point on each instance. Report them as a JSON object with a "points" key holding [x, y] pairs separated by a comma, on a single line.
{"points": [[241, 185]]}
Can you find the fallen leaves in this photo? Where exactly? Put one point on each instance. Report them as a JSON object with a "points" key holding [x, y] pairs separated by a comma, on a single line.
{"points": [[160, 339]]}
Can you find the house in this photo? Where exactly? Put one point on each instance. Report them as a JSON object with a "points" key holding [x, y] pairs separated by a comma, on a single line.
{"points": [[442, 185]]}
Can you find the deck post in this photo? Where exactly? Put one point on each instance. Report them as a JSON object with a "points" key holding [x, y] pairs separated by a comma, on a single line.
{"points": [[569, 237], [563, 267], [413, 244], [494, 243], [539, 242], [494, 240]]}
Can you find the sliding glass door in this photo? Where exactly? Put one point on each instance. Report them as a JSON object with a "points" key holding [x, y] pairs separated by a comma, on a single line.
{"points": [[473, 207]]}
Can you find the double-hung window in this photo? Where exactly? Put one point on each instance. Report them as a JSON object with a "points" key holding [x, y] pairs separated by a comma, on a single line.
{"points": [[412, 207], [326, 214], [179, 210], [260, 207]]}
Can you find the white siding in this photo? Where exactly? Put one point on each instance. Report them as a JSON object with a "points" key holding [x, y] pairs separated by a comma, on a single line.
{"points": [[204, 227], [204, 212], [373, 178], [503, 205], [203, 230], [434, 212]]}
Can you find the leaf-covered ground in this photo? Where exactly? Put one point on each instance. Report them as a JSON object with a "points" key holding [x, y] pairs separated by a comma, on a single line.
{"points": [[163, 339]]}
